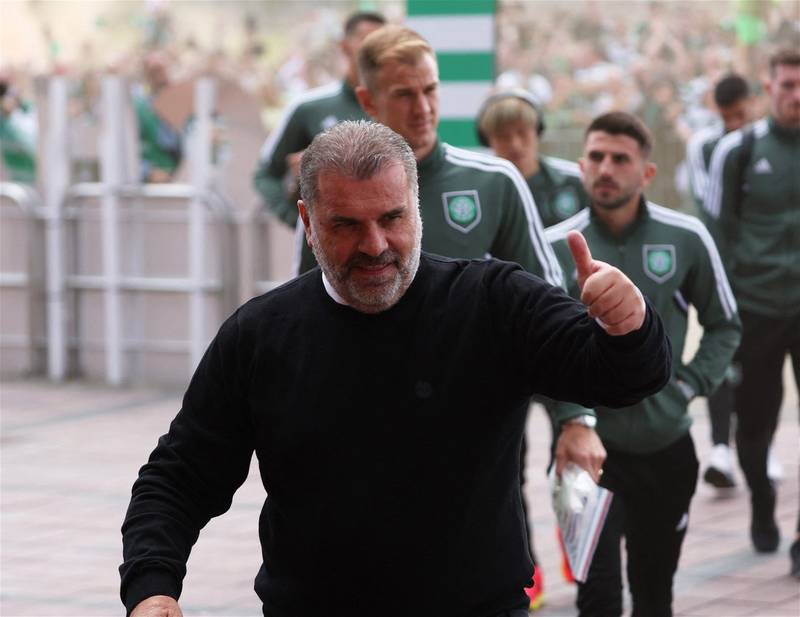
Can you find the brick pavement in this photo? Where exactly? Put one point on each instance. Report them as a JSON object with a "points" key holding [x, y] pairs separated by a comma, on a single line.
{"points": [[70, 453]]}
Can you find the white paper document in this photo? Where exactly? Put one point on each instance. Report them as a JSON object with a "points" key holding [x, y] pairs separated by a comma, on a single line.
{"points": [[581, 508]]}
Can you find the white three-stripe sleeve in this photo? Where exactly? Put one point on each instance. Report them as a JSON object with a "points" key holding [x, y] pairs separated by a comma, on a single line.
{"points": [[723, 288], [544, 253], [718, 162], [276, 134], [698, 172], [713, 201]]}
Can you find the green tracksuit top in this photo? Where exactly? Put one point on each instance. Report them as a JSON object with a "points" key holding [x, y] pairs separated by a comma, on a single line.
{"points": [[473, 205], [672, 258], [312, 113], [760, 237], [557, 190], [698, 158]]}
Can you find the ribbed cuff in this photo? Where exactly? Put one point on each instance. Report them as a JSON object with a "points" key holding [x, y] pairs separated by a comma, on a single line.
{"points": [[150, 583]]}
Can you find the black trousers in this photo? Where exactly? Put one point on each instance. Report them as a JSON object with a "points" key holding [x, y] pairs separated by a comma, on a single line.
{"points": [[720, 410], [758, 397], [650, 509]]}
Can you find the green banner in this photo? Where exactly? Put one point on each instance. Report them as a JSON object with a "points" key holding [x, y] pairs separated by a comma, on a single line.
{"points": [[466, 66], [450, 7]]}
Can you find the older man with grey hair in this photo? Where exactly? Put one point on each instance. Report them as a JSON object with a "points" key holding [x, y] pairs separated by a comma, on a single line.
{"points": [[385, 396]]}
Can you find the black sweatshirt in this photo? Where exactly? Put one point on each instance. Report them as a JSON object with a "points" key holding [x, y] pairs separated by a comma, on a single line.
{"points": [[388, 444]]}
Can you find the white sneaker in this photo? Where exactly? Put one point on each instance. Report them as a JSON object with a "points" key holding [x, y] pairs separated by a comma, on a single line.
{"points": [[719, 472], [774, 467]]}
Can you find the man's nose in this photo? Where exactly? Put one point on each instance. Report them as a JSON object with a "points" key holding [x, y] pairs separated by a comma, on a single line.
{"points": [[605, 167], [421, 104], [373, 241]]}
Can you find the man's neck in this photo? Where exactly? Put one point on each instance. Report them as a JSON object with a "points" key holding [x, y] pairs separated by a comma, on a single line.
{"points": [[530, 169], [619, 219], [422, 153], [786, 126]]}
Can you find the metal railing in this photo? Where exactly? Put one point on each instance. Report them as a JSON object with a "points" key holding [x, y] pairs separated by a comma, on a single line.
{"points": [[124, 272], [22, 339]]}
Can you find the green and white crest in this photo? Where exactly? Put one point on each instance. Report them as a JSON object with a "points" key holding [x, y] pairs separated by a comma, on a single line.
{"points": [[658, 261], [462, 209], [565, 202]]}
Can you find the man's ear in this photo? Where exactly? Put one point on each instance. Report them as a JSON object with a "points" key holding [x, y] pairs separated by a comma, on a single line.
{"points": [[649, 172], [366, 101], [301, 207], [767, 85]]}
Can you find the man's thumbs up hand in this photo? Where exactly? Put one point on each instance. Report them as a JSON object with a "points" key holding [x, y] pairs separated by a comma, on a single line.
{"points": [[610, 296]]}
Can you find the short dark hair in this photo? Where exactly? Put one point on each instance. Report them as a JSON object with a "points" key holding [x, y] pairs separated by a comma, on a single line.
{"points": [[783, 56], [360, 17], [623, 123], [731, 89]]}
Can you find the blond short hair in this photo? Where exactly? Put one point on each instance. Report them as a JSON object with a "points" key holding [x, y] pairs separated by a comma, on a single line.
{"points": [[390, 43], [505, 112]]}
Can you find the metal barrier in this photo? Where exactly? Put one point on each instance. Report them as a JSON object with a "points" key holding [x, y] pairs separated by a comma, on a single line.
{"points": [[166, 241], [22, 272]]}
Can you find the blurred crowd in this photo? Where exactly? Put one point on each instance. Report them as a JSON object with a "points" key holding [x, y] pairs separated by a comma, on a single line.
{"points": [[656, 59]]}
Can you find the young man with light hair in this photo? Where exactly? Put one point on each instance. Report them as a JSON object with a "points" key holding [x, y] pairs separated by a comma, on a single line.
{"points": [[511, 123], [472, 204]]}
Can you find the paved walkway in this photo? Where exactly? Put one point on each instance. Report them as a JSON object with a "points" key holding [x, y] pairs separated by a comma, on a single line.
{"points": [[71, 452]]}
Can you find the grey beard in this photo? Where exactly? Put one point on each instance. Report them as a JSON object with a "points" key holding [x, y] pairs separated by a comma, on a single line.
{"points": [[371, 300]]}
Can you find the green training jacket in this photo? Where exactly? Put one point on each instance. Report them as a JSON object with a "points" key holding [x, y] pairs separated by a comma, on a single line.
{"points": [[759, 234], [474, 205], [557, 190], [310, 114], [698, 158], [673, 260]]}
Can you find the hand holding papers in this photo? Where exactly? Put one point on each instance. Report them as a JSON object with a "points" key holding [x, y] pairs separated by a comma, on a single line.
{"points": [[581, 508]]}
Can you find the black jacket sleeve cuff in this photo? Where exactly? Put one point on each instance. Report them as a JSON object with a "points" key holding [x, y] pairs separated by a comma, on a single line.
{"points": [[150, 583]]}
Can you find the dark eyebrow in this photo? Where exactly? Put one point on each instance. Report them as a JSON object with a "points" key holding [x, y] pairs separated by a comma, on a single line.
{"points": [[338, 218], [395, 212]]}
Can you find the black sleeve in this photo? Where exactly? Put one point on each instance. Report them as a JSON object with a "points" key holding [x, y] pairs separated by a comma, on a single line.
{"points": [[191, 475], [559, 351]]}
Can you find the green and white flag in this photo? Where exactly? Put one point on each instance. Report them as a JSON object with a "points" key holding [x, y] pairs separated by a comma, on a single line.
{"points": [[462, 33]]}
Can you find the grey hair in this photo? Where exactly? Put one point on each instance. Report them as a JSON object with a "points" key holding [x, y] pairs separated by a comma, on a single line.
{"points": [[354, 149]]}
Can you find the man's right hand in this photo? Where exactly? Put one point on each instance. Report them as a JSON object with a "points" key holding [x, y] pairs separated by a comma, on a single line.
{"points": [[157, 606], [580, 445]]}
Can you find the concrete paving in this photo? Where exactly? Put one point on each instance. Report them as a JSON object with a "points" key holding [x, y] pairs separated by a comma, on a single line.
{"points": [[70, 453]]}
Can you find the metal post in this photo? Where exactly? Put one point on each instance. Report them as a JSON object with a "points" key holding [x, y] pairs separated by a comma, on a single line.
{"points": [[112, 144], [54, 184], [200, 153]]}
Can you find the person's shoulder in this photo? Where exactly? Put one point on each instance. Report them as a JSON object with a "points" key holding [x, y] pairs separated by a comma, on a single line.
{"points": [[732, 142], [558, 232], [677, 225], [700, 138], [567, 168], [310, 101], [461, 270], [317, 96], [282, 300], [480, 162]]}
